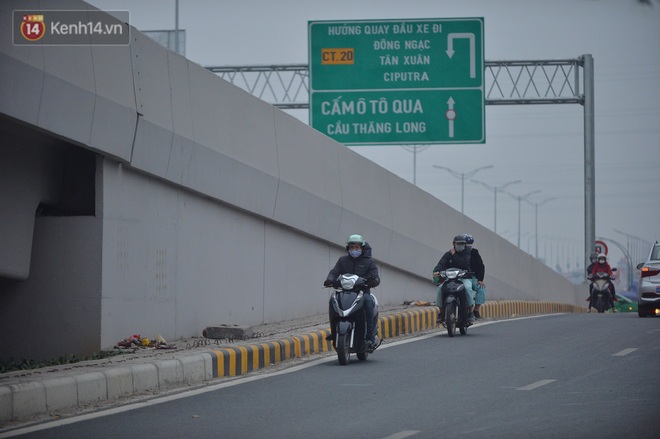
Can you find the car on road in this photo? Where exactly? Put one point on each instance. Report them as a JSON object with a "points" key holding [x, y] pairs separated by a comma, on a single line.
{"points": [[624, 304], [648, 291]]}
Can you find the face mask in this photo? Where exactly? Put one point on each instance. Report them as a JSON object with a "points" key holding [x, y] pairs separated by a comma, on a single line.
{"points": [[459, 247], [468, 247], [355, 253]]}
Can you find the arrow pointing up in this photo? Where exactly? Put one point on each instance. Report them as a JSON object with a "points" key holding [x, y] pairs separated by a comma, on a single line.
{"points": [[450, 115]]}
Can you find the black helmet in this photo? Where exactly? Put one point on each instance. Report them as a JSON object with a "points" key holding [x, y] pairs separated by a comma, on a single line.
{"points": [[460, 238], [469, 240], [593, 257]]}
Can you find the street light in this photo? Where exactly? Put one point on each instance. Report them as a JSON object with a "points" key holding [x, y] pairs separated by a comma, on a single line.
{"points": [[638, 248], [520, 198], [495, 189], [414, 149], [536, 223], [463, 176]]}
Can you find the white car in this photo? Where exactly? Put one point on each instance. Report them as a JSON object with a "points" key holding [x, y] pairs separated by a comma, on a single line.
{"points": [[648, 290]]}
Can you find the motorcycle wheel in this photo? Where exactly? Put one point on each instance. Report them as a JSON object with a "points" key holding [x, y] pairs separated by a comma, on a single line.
{"points": [[343, 349], [463, 329], [451, 316], [362, 355], [600, 305]]}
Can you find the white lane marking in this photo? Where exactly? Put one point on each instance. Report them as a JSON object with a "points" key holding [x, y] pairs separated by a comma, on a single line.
{"points": [[233, 382], [402, 434], [624, 352], [536, 385]]}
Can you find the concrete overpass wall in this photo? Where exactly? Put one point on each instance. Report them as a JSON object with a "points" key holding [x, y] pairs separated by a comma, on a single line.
{"points": [[210, 206]]}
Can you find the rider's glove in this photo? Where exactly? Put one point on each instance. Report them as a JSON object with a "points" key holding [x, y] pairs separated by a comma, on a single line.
{"points": [[327, 283], [372, 282]]}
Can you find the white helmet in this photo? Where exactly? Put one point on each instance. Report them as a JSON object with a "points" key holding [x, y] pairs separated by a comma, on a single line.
{"points": [[355, 239]]}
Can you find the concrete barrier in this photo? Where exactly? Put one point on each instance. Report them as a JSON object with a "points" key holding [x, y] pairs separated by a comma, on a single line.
{"points": [[28, 398]]}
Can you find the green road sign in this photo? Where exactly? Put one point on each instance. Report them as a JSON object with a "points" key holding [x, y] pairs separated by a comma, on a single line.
{"points": [[398, 81]]}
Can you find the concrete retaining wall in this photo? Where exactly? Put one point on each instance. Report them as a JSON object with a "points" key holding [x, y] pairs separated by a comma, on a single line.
{"points": [[207, 206]]}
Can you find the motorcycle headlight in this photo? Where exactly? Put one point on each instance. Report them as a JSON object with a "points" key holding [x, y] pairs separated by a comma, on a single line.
{"points": [[348, 282]]}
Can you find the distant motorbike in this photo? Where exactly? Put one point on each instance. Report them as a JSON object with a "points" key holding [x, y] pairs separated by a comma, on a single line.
{"points": [[600, 291], [453, 291], [347, 318]]}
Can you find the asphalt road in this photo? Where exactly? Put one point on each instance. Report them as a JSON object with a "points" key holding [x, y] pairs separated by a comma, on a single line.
{"points": [[559, 376]]}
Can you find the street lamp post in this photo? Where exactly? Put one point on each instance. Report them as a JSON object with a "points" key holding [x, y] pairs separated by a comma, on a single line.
{"points": [[463, 176], [520, 198], [414, 149], [495, 189], [536, 223], [638, 248]]}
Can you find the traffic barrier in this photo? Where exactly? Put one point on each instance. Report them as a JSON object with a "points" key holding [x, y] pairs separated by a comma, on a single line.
{"points": [[239, 360], [21, 400]]}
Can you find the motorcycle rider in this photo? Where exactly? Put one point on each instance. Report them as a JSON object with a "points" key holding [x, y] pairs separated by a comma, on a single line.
{"points": [[602, 266], [479, 270], [359, 262], [457, 257], [593, 257]]}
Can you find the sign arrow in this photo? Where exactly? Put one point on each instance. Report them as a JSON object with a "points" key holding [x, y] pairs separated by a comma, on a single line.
{"points": [[473, 51], [451, 115]]}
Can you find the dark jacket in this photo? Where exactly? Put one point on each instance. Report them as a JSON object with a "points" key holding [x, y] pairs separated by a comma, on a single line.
{"points": [[457, 260], [590, 267], [363, 266], [477, 264]]}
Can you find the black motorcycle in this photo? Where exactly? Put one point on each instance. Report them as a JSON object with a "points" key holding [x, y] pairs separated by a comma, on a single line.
{"points": [[601, 291], [347, 318], [453, 292]]}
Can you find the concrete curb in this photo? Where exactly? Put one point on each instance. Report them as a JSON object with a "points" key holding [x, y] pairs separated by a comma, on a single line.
{"points": [[19, 401]]}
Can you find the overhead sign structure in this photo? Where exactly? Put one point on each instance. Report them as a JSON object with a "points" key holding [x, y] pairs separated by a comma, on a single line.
{"points": [[398, 81]]}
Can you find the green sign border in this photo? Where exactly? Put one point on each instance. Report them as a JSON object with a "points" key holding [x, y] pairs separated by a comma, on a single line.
{"points": [[403, 49]]}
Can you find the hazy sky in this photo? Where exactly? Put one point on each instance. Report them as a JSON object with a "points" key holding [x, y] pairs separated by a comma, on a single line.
{"points": [[542, 145]]}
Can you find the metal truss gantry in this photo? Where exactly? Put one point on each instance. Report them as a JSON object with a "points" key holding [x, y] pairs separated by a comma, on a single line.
{"points": [[507, 82], [564, 81]]}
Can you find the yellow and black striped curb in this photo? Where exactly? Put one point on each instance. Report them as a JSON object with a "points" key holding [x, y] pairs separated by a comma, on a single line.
{"points": [[239, 360], [24, 397], [514, 308]]}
